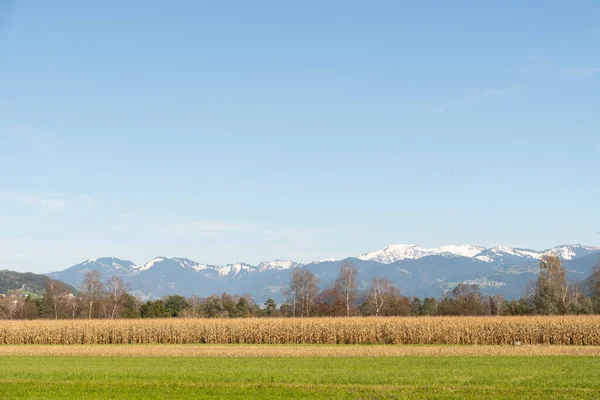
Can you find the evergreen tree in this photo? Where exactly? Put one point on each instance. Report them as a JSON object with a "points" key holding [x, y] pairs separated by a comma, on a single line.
{"points": [[175, 304]]}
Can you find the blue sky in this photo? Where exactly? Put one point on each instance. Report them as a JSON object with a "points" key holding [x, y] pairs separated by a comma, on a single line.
{"points": [[246, 131]]}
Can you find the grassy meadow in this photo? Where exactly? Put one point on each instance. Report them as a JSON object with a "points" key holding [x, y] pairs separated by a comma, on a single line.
{"points": [[284, 377]]}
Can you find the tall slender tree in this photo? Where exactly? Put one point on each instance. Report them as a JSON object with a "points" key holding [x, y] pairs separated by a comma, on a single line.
{"points": [[55, 300], [91, 290], [116, 292], [347, 286], [552, 289]]}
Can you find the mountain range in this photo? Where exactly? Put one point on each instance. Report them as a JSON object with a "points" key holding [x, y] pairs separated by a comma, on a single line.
{"points": [[416, 270]]}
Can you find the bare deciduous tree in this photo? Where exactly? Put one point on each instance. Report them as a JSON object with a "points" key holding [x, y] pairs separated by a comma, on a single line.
{"points": [[465, 299], [91, 290], [552, 289], [73, 303], [379, 292], [302, 292], [116, 291], [292, 293], [195, 309], [495, 304], [347, 286], [54, 302], [13, 305], [309, 291]]}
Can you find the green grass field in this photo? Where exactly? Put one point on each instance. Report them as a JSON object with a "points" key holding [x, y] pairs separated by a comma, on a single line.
{"points": [[269, 378]]}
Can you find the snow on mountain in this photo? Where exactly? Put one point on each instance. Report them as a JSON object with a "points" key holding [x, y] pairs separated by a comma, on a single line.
{"points": [[110, 263], [199, 267], [565, 252], [529, 253], [276, 264], [120, 266], [234, 269], [330, 259], [221, 270], [393, 253], [398, 252], [151, 263], [503, 251], [571, 251], [185, 263], [465, 250]]}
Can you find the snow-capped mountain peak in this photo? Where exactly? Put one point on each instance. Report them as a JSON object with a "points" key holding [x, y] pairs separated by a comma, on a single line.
{"points": [[465, 250], [571, 251], [151, 263], [186, 263], [329, 259], [111, 263], [221, 270], [276, 264], [172, 262], [234, 269], [398, 252], [393, 252], [504, 250]]}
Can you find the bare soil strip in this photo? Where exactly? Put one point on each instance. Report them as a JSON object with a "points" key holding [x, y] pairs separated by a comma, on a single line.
{"points": [[292, 351]]}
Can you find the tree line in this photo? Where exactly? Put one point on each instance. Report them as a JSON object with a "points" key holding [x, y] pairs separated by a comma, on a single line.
{"points": [[551, 294]]}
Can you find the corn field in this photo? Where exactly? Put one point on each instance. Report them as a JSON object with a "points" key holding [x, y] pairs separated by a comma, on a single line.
{"points": [[563, 330]]}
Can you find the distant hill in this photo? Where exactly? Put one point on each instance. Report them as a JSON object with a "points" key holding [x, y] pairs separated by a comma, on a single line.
{"points": [[415, 270], [26, 282]]}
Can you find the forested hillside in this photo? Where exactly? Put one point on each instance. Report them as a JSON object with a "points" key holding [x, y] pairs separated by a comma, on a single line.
{"points": [[26, 282]]}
